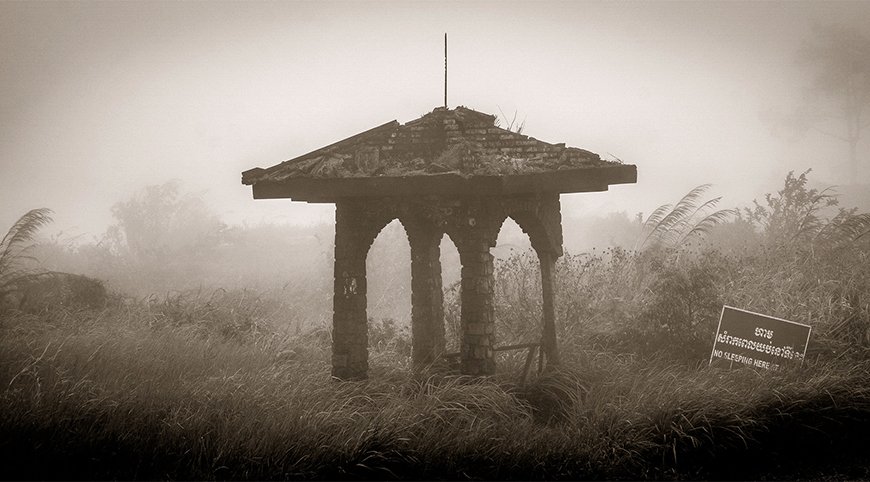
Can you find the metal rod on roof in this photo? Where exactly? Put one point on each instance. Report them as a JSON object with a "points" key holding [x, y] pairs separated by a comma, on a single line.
{"points": [[445, 70]]}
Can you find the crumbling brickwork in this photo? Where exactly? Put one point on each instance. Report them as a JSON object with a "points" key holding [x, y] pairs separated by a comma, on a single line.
{"points": [[427, 296], [460, 140], [453, 172], [473, 225]]}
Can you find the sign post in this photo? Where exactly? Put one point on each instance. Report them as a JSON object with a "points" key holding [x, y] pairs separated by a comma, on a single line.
{"points": [[756, 340]]}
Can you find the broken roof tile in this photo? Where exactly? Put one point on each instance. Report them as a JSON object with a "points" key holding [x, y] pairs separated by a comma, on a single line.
{"points": [[460, 141]]}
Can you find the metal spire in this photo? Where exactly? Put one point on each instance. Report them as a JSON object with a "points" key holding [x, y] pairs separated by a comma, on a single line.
{"points": [[445, 70]]}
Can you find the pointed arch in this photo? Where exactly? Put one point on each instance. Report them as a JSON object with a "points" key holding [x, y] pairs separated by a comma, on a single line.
{"points": [[451, 269], [356, 227], [473, 225], [541, 220], [388, 275]]}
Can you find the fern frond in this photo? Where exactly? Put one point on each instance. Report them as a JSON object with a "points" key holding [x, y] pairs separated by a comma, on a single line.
{"points": [[684, 208], [13, 250], [666, 223], [649, 226], [657, 216], [709, 222], [26, 226], [843, 232], [11, 247], [686, 222]]}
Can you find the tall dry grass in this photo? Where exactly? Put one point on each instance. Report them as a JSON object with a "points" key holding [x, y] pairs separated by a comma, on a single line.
{"points": [[234, 384], [123, 393]]}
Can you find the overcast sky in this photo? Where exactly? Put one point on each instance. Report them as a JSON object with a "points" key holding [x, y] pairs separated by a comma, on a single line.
{"points": [[100, 99]]}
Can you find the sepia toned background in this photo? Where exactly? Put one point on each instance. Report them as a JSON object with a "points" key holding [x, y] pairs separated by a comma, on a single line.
{"points": [[100, 99]]}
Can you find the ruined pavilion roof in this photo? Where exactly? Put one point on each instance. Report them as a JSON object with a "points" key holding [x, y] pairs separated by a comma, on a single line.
{"points": [[457, 152]]}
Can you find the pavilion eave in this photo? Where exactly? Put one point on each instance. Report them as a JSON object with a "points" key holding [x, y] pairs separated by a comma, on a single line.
{"points": [[563, 181]]}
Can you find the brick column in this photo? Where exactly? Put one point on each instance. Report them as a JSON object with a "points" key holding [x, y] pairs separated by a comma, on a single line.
{"points": [[550, 214], [349, 320], [478, 310], [427, 297]]}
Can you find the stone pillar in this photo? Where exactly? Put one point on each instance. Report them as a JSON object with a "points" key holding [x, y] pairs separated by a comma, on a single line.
{"points": [[550, 214], [349, 319], [427, 297], [548, 280], [478, 310]]}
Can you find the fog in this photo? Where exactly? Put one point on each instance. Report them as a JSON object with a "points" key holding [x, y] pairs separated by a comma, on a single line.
{"points": [[100, 99]]}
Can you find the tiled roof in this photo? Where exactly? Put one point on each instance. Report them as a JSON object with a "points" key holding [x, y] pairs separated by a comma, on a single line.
{"points": [[460, 141]]}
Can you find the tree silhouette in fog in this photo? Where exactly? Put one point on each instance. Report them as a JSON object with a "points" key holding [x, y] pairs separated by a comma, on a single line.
{"points": [[837, 100], [159, 221]]}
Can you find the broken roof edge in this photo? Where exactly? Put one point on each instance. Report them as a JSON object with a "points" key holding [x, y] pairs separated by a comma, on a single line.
{"points": [[451, 185], [252, 175], [482, 149]]}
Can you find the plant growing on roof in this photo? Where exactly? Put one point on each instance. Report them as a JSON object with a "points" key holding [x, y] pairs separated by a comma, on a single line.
{"points": [[512, 125]]}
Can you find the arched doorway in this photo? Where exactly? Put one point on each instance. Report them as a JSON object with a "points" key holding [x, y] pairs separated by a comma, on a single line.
{"points": [[388, 297]]}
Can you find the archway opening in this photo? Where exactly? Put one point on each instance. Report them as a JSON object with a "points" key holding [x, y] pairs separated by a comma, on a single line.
{"points": [[451, 269], [517, 287], [388, 298]]}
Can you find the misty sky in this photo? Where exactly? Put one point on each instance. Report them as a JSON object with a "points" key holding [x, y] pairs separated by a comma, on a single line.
{"points": [[99, 99]]}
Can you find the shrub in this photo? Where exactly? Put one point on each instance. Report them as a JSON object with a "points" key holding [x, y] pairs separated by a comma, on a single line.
{"points": [[237, 315], [685, 299], [62, 290], [795, 217]]}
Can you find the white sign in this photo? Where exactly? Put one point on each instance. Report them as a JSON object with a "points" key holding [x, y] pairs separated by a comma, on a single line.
{"points": [[757, 340]]}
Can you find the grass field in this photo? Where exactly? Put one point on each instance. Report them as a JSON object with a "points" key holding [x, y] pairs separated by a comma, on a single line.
{"points": [[215, 386], [234, 384]]}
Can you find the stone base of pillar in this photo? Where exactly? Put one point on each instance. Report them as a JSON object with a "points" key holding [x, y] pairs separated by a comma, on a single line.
{"points": [[478, 308]]}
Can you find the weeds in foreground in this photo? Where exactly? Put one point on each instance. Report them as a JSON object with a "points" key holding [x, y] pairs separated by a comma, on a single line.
{"points": [[215, 384], [120, 399], [26, 286]]}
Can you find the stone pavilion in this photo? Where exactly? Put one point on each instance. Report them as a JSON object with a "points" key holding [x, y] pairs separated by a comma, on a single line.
{"points": [[453, 172]]}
